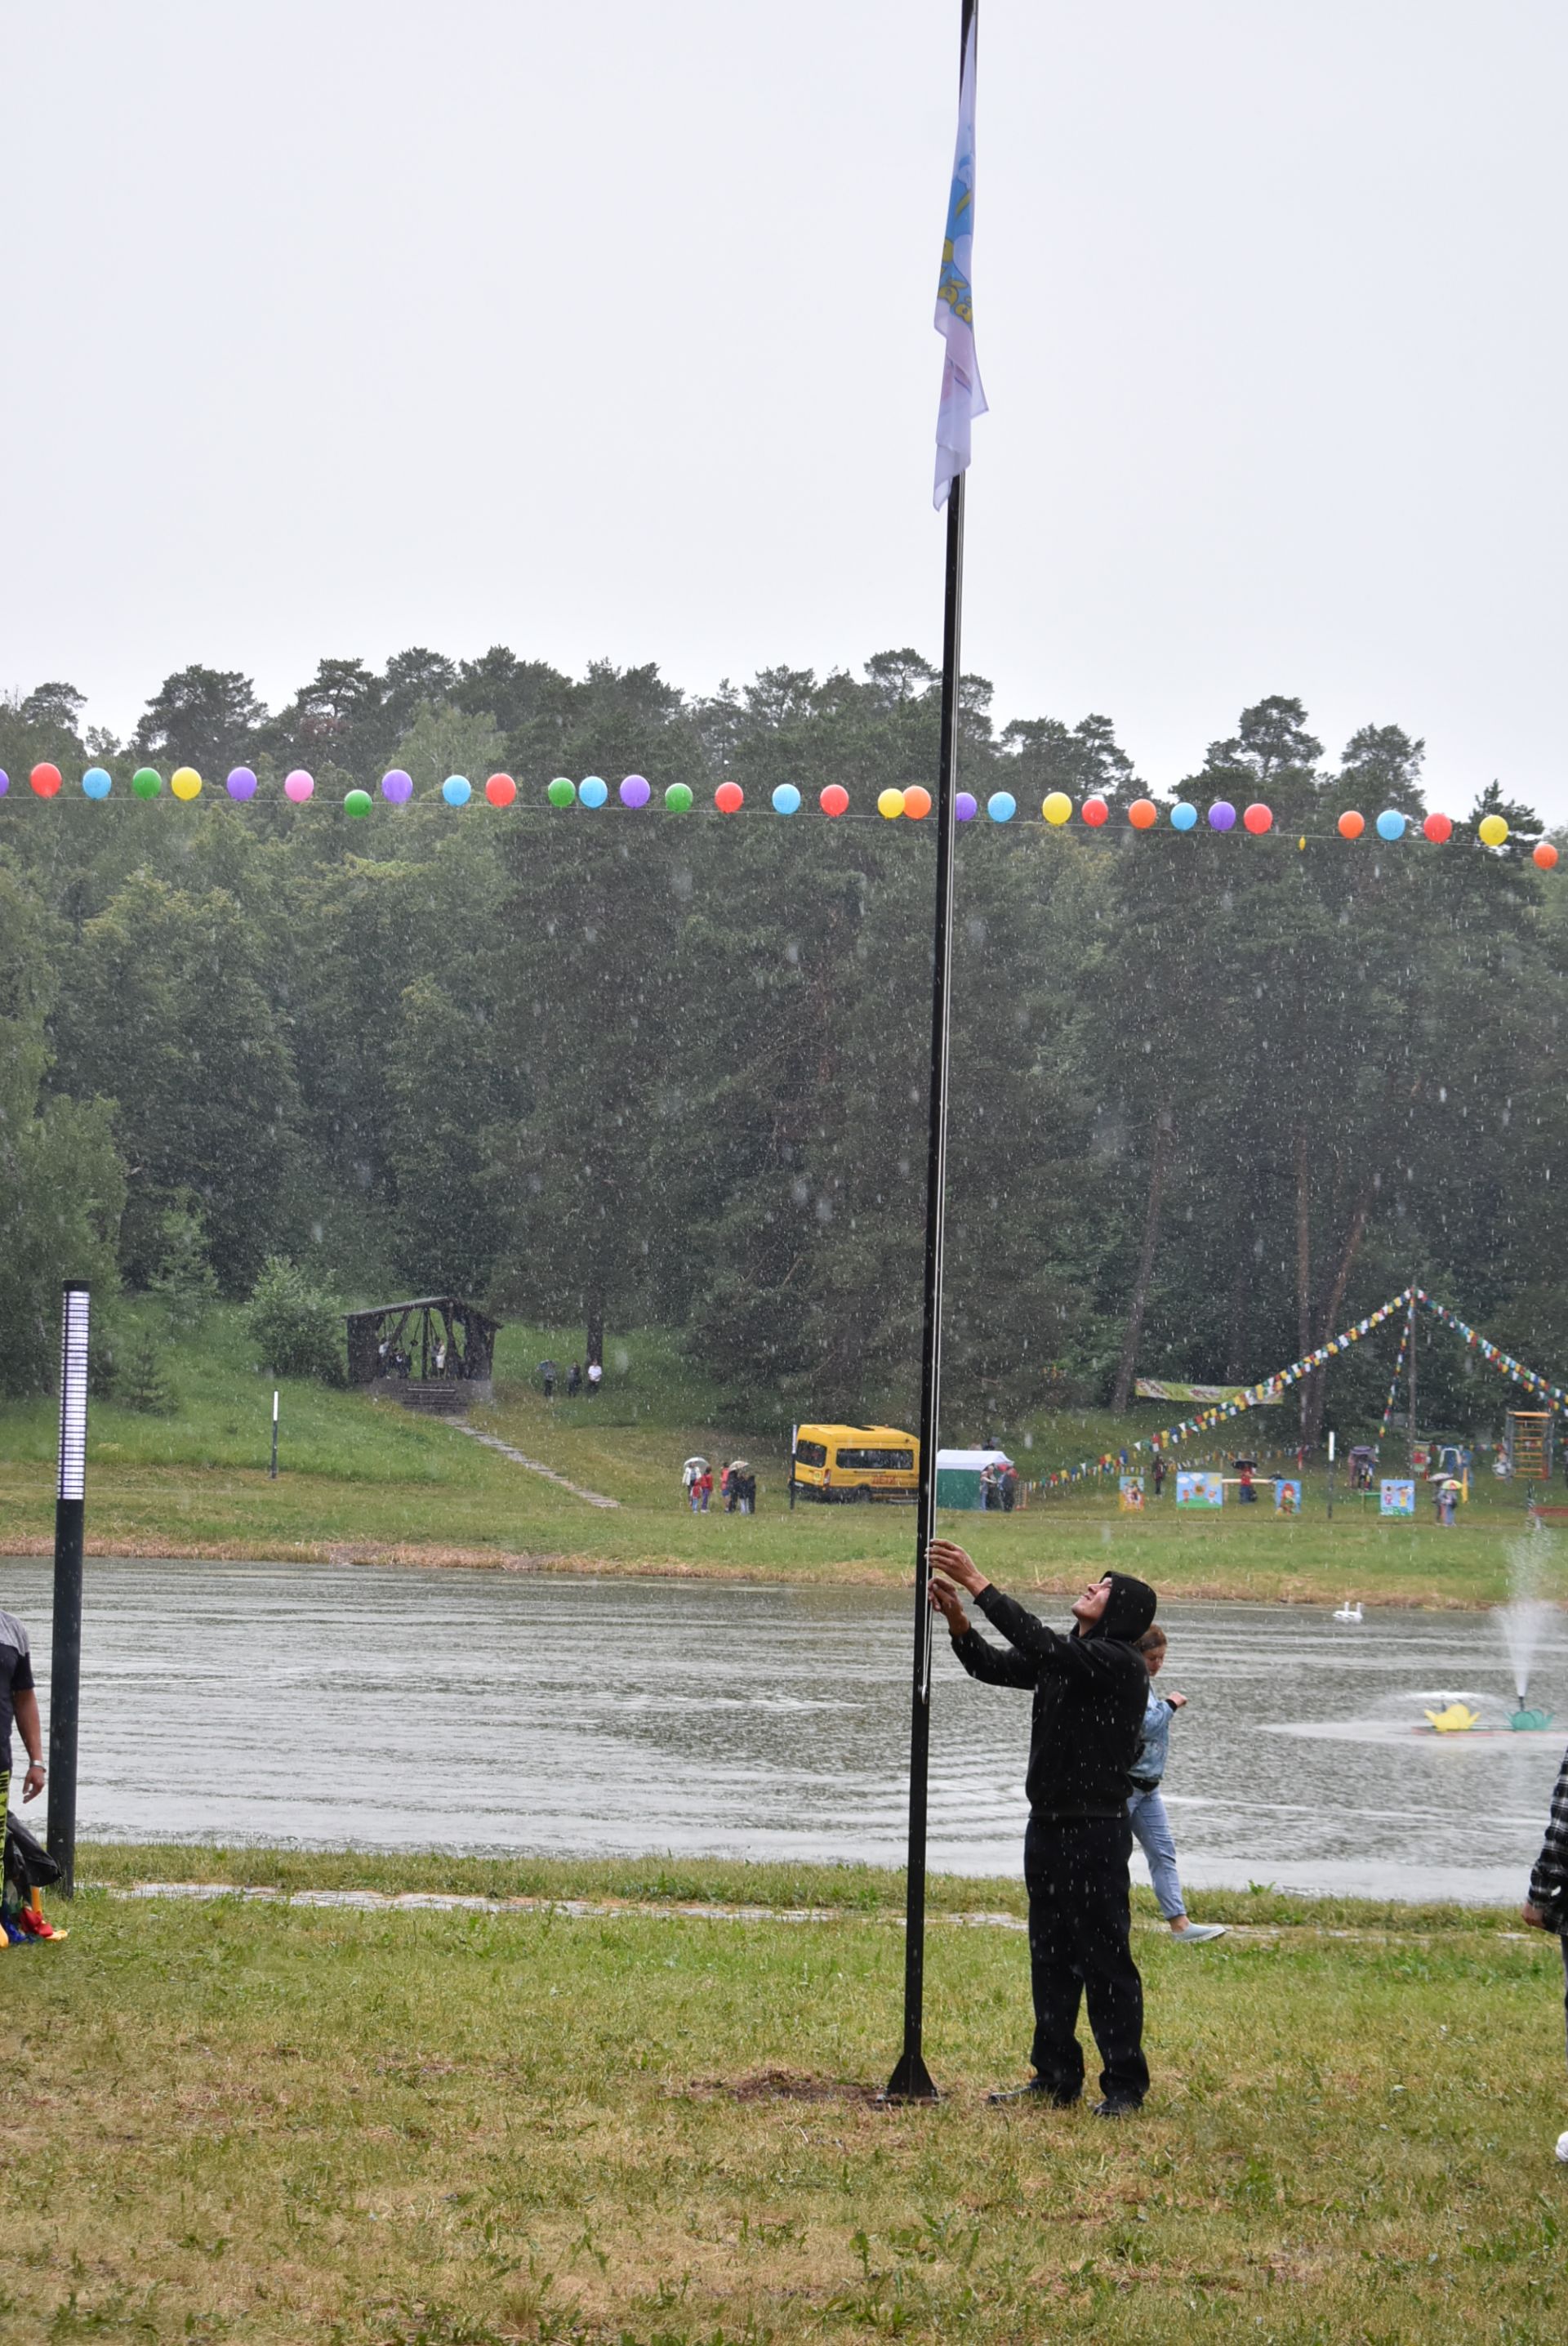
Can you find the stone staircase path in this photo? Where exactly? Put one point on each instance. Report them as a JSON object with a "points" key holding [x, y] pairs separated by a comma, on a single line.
{"points": [[493, 1442]]}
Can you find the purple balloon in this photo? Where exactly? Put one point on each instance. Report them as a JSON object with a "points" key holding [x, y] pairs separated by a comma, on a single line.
{"points": [[397, 786], [1222, 815], [4, 782], [965, 806], [634, 791], [241, 783]]}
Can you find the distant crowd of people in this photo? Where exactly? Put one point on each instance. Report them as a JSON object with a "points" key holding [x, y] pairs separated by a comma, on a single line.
{"points": [[737, 1486], [577, 1379]]}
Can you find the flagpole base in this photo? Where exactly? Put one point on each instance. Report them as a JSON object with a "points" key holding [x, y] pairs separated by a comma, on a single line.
{"points": [[910, 2082]]}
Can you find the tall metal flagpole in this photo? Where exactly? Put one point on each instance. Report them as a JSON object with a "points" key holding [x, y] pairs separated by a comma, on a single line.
{"points": [[912, 2080]]}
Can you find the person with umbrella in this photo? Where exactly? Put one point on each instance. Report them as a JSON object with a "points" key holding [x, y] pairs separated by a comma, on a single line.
{"points": [[691, 1475]]}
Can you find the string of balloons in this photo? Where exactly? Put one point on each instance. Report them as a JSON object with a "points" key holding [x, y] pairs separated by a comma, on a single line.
{"points": [[914, 804]]}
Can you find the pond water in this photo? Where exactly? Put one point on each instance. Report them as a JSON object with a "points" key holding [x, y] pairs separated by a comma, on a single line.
{"points": [[492, 1713]]}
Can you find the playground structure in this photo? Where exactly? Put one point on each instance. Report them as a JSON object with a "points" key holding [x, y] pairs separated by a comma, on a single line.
{"points": [[1529, 1445]]}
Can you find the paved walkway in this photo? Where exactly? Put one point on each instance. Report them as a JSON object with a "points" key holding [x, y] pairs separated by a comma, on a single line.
{"points": [[493, 1442], [438, 1901]]}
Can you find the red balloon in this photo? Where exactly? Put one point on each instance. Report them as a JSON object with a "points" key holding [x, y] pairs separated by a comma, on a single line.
{"points": [[1438, 828], [730, 798], [1142, 814], [45, 780], [500, 790], [1545, 855], [917, 803], [1353, 825], [1258, 818], [1095, 812], [835, 799]]}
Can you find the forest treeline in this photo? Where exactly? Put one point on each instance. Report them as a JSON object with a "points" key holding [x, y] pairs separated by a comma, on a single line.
{"points": [[1212, 1097]]}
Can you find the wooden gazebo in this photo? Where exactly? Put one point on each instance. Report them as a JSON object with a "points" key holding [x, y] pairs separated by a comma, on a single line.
{"points": [[434, 1351]]}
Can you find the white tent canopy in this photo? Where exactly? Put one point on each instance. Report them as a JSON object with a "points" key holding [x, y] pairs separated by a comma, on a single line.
{"points": [[972, 1460]]}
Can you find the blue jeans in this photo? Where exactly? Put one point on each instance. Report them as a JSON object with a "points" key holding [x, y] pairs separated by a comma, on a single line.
{"points": [[1146, 1815]]}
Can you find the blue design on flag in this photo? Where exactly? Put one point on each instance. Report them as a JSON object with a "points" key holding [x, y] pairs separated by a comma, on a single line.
{"points": [[962, 397]]}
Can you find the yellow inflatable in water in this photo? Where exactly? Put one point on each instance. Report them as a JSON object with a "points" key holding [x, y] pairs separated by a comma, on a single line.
{"points": [[1455, 1719]]}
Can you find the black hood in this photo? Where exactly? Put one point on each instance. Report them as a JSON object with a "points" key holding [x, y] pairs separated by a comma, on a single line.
{"points": [[1129, 1610]]}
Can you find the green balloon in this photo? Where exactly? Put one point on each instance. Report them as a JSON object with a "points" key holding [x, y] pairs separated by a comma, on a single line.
{"points": [[561, 792], [147, 782], [677, 798], [357, 802]]}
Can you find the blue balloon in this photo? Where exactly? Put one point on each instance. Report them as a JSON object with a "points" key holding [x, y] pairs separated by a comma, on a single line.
{"points": [[592, 792], [1002, 806], [1391, 823], [455, 790], [786, 798], [97, 782], [1184, 817]]}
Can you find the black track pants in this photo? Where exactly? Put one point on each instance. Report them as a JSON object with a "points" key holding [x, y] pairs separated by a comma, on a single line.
{"points": [[1075, 1869]]}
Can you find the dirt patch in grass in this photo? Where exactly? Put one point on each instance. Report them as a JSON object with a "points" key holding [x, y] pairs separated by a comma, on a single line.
{"points": [[783, 2085]]}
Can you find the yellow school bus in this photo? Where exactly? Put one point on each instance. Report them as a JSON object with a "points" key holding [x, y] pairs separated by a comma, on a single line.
{"points": [[838, 1466]]}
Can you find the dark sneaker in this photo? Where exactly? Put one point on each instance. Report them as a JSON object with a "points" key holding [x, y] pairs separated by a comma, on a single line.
{"points": [[1115, 2109], [1036, 2090]]}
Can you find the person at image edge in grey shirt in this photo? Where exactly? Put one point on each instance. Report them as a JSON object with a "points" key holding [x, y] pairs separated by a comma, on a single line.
{"points": [[1091, 1691], [1546, 1908]]}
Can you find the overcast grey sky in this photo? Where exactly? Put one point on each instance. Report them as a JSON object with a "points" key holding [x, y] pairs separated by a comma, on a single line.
{"points": [[333, 326]]}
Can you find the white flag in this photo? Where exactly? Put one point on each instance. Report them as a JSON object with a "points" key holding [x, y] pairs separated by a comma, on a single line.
{"points": [[962, 398]]}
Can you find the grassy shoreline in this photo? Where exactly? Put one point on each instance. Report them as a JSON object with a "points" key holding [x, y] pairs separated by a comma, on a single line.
{"points": [[854, 1890], [1246, 1587]]}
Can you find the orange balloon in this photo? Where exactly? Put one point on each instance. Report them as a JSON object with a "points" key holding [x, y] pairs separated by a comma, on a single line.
{"points": [[917, 803], [1142, 814], [1351, 826], [1545, 855]]}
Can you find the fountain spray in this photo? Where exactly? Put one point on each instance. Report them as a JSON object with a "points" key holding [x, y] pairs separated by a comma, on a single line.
{"points": [[1521, 1623]]}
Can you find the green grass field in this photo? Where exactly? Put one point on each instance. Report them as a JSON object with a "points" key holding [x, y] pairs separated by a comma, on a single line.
{"points": [[370, 1479], [394, 2128]]}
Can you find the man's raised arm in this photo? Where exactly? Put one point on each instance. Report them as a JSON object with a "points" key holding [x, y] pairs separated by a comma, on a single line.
{"points": [[1023, 1630]]}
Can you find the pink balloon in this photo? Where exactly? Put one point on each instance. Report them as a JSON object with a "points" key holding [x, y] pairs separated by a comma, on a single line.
{"points": [[298, 786]]}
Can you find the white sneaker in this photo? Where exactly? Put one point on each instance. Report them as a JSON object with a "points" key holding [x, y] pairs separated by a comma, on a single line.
{"points": [[1198, 1932], [1563, 2150]]}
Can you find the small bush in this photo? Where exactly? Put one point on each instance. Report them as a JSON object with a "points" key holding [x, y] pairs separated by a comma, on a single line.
{"points": [[141, 1379], [183, 1280], [295, 1326]]}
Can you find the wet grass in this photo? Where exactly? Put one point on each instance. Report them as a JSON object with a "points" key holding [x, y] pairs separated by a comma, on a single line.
{"points": [[234, 2120], [374, 1481]]}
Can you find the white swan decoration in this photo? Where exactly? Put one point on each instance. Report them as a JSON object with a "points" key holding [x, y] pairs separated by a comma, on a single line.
{"points": [[1349, 1612]]}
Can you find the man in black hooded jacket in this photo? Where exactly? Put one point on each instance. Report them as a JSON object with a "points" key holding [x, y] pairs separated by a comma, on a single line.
{"points": [[1091, 1689]]}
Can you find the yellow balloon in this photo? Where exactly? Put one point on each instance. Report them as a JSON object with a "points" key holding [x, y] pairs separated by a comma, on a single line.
{"points": [[891, 804], [1494, 829], [185, 783], [1057, 807]]}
